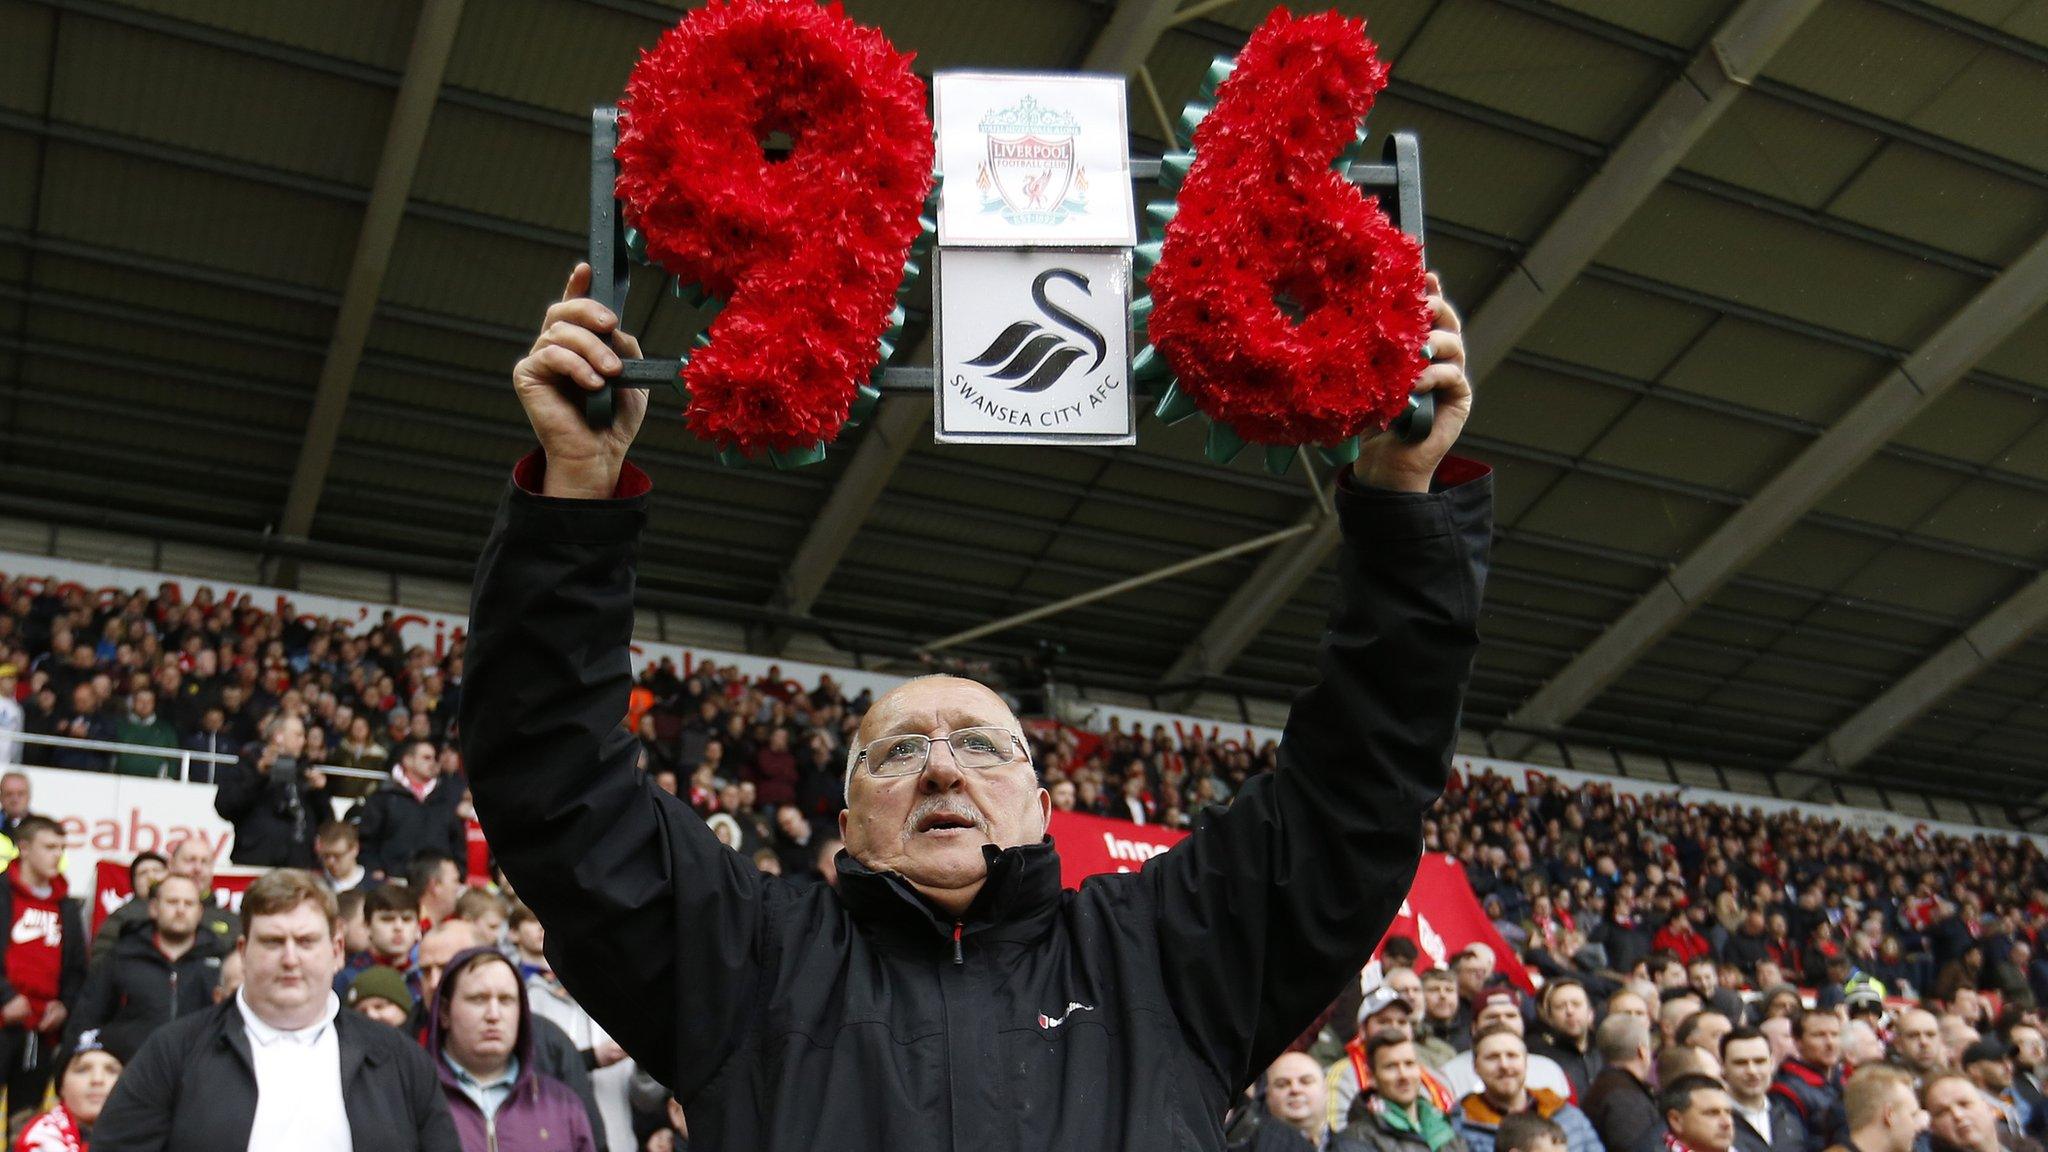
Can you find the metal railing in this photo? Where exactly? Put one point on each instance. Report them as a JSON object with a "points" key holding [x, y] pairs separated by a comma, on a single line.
{"points": [[185, 757]]}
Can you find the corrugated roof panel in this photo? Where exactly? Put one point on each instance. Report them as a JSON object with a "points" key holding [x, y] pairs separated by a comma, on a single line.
{"points": [[378, 33], [20, 158], [1974, 422], [162, 210], [458, 351], [457, 271], [1614, 514], [1976, 108], [2028, 455], [508, 168], [1390, 23], [1813, 557], [1587, 323], [200, 352], [220, 103], [1890, 492], [1766, 261], [1517, 484], [25, 55], [252, 312], [1706, 448], [1782, 150], [1931, 581], [557, 55], [1873, 57], [1909, 192], [141, 441], [1464, 160], [1564, 414], [108, 386], [1775, 371], [1685, 23], [1534, 68], [947, 34], [2024, 355], [1995, 516]]}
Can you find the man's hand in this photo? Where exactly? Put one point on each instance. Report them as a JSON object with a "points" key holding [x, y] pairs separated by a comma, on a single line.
{"points": [[15, 1011], [265, 761], [1385, 462], [315, 779], [609, 1053], [570, 357], [53, 1017]]}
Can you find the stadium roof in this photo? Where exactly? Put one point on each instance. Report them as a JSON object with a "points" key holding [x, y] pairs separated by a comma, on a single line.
{"points": [[1755, 294]]}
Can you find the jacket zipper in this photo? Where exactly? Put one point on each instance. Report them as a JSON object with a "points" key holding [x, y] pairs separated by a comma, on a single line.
{"points": [[491, 1133], [959, 930], [174, 993]]}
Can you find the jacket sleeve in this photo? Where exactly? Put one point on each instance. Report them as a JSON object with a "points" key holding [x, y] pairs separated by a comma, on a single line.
{"points": [[370, 829], [560, 1058], [654, 925], [6, 922], [95, 1002], [71, 952], [1271, 905], [137, 1117], [237, 788]]}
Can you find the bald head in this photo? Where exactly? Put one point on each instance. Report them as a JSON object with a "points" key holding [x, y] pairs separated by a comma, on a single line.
{"points": [[931, 826]]}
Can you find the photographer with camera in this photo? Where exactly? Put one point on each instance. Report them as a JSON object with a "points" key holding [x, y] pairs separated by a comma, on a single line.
{"points": [[275, 799]]}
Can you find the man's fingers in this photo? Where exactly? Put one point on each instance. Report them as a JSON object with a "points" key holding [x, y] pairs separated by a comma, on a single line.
{"points": [[1446, 380], [579, 282], [585, 343], [1445, 347], [564, 364], [626, 344], [583, 312], [1442, 315]]}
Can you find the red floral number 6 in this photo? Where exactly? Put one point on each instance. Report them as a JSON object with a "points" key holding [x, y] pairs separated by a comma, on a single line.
{"points": [[1288, 305]]}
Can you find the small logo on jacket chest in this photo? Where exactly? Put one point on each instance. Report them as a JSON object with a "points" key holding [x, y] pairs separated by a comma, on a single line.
{"points": [[1051, 1022]]}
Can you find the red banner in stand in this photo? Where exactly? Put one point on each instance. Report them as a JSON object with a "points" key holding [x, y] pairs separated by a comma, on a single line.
{"points": [[1441, 915], [111, 890]]}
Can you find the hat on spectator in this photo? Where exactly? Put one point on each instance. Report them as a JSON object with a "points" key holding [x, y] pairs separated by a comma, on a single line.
{"points": [[1497, 995], [9, 672], [380, 983], [1863, 990], [1988, 1050], [1379, 1000], [88, 1041]]}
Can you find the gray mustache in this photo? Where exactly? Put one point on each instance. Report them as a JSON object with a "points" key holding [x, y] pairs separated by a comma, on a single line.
{"points": [[948, 805]]}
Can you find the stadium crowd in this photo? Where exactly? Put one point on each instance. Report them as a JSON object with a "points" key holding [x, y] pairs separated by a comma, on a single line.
{"points": [[1709, 977]]}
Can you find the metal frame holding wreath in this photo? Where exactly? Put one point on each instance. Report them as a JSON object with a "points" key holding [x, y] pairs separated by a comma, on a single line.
{"points": [[1332, 75]]}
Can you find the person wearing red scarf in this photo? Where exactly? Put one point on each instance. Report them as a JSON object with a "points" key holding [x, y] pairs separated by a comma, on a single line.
{"points": [[1699, 1116]]}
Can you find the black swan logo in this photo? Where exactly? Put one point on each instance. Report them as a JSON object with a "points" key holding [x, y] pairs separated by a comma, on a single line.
{"points": [[1034, 354]]}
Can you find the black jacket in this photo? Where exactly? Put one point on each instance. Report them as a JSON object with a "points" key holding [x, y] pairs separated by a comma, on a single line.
{"points": [[1580, 1068], [1371, 1133], [1787, 1133], [1622, 1110], [396, 825], [192, 1088], [274, 822], [137, 989], [1126, 1015], [1817, 1098]]}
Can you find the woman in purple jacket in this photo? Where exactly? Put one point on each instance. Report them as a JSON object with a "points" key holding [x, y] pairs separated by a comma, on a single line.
{"points": [[483, 1047]]}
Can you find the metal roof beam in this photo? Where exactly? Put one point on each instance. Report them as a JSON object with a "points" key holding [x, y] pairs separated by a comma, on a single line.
{"points": [[412, 112], [1983, 644], [1687, 109], [1905, 392]]}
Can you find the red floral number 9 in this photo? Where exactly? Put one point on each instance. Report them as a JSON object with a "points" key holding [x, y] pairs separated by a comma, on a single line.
{"points": [[1285, 301], [806, 251]]}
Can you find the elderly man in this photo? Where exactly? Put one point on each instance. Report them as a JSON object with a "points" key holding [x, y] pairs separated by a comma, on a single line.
{"points": [[1699, 1115], [1620, 1104], [947, 992]]}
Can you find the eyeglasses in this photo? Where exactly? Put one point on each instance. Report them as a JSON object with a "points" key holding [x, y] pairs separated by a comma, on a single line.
{"points": [[976, 748]]}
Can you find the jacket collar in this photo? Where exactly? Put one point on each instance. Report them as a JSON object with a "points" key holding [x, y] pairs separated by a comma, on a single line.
{"points": [[1016, 902]]}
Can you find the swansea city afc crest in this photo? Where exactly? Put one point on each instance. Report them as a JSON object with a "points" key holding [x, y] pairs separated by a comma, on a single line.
{"points": [[1031, 173]]}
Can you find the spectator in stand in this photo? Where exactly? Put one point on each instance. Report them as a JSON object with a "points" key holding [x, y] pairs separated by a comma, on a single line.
{"points": [[1445, 1018], [339, 847], [1704, 1031], [393, 915], [1764, 1121], [144, 726], [193, 857], [2029, 1053], [1960, 1119], [381, 995], [1398, 1116], [355, 926], [487, 911], [1500, 1005], [1698, 1114], [152, 976], [1501, 1060], [1293, 1116], [14, 801], [213, 739], [275, 800], [1882, 1113], [279, 1066], [433, 876], [12, 717], [1382, 1010], [1989, 1067], [86, 1074], [1620, 1105], [1812, 1080], [42, 961], [529, 940], [1916, 1046], [1703, 976], [144, 872], [1565, 1033], [411, 813], [482, 1037], [86, 720]]}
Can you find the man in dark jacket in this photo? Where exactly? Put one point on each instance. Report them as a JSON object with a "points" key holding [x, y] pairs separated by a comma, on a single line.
{"points": [[409, 813], [482, 1035], [1764, 1120], [947, 993], [1619, 1103], [275, 800], [1564, 1032], [1811, 1079], [156, 972], [194, 1085]]}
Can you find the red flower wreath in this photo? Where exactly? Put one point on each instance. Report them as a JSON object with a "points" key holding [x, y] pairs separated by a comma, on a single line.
{"points": [[807, 251], [1266, 227]]}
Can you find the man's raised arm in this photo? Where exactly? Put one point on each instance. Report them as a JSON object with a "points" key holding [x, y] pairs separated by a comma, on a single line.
{"points": [[1272, 905], [650, 920]]}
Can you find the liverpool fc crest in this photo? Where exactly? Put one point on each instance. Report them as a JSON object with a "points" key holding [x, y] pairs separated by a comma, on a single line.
{"points": [[1030, 172]]}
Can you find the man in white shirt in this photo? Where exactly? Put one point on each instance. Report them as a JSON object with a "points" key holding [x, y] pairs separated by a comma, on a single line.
{"points": [[10, 717], [1500, 1006], [278, 1067], [1763, 1122], [340, 848]]}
